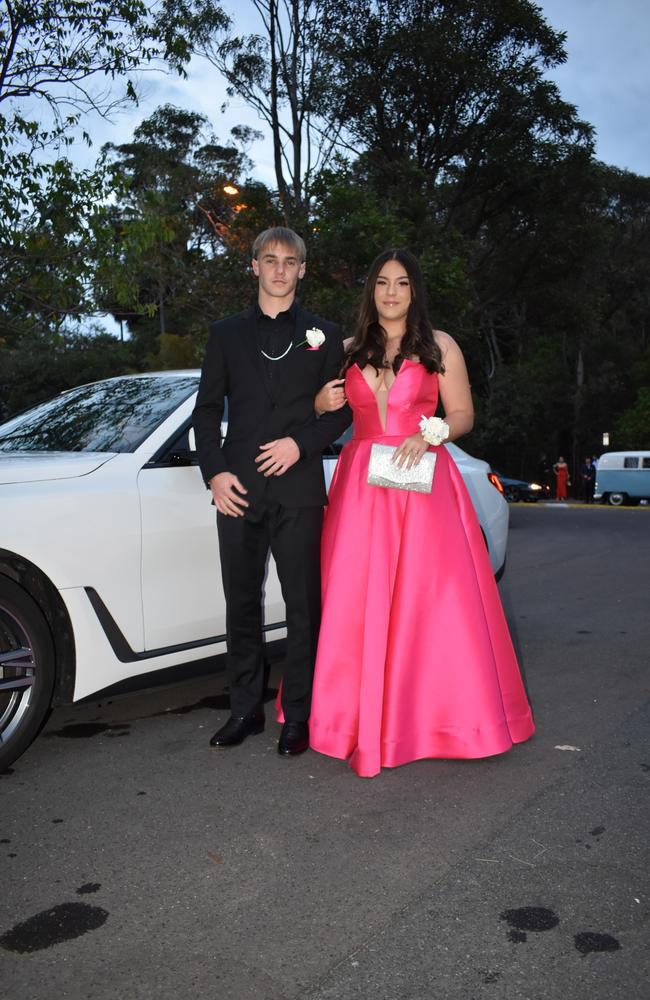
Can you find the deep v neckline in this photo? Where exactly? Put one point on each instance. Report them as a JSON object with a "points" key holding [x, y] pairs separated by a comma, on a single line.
{"points": [[406, 361]]}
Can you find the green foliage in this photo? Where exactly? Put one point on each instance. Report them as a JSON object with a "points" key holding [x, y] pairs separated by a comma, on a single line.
{"points": [[55, 49], [633, 426], [47, 256], [524, 411], [175, 352], [59, 60], [353, 221], [181, 243], [40, 365], [455, 85], [56, 58]]}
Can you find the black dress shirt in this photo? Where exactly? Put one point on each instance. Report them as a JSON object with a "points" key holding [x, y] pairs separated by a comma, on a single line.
{"points": [[274, 336]]}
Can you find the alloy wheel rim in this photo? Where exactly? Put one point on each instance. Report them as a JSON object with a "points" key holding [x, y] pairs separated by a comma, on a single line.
{"points": [[17, 673]]}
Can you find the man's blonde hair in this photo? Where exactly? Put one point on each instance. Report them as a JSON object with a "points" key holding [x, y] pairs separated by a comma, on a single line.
{"points": [[280, 234]]}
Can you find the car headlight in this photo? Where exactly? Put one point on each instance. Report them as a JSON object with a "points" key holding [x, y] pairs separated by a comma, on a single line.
{"points": [[535, 486]]}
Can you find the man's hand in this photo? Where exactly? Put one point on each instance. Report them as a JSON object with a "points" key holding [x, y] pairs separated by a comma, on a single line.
{"points": [[227, 494], [276, 457]]}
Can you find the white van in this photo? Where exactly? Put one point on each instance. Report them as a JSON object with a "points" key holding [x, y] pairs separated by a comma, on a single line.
{"points": [[623, 477]]}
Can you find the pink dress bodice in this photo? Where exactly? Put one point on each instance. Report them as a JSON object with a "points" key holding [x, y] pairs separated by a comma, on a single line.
{"points": [[413, 393]]}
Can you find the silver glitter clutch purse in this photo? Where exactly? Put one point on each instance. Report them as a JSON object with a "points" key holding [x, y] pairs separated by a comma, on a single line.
{"points": [[383, 472]]}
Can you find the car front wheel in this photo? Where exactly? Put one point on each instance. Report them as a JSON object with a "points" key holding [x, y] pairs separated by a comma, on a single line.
{"points": [[616, 499], [27, 670]]}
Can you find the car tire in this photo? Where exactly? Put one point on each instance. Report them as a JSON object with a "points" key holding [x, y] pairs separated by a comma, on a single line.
{"points": [[616, 499], [27, 671], [512, 494]]}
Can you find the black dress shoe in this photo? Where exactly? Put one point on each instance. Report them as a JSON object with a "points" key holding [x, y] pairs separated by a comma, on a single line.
{"points": [[294, 739], [236, 730]]}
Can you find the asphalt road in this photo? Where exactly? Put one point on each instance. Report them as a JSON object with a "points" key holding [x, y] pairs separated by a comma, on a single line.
{"points": [[138, 864]]}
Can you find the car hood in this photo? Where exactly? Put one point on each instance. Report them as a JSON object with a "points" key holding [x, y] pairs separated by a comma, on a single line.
{"points": [[36, 467]]}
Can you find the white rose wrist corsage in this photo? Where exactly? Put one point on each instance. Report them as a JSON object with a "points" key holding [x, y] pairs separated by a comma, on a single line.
{"points": [[434, 430]]}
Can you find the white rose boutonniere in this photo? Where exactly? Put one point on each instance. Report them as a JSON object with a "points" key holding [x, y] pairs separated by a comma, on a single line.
{"points": [[315, 338], [434, 430]]}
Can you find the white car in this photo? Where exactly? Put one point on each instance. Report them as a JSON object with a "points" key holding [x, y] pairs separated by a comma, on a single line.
{"points": [[109, 561]]}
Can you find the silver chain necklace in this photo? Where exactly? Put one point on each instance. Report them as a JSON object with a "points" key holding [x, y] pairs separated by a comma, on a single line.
{"points": [[280, 356]]}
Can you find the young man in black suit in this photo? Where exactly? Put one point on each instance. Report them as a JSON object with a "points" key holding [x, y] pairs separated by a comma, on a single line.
{"points": [[266, 478]]}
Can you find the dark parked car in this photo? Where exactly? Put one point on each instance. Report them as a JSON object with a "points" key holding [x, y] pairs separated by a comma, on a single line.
{"points": [[518, 489]]}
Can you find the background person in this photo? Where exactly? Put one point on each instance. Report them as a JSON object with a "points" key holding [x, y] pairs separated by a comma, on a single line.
{"points": [[561, 470], [588, 473]]}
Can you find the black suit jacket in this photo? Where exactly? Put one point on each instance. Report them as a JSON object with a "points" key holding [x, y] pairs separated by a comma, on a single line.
{"points": [[260, 410]]}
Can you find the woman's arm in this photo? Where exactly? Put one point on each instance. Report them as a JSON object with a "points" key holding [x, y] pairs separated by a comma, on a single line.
{"points": [[456, 399], [455, 393], [332, 395]]}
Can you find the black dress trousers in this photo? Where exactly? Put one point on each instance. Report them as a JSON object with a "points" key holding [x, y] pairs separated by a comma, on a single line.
{"points": [[292, 534]]}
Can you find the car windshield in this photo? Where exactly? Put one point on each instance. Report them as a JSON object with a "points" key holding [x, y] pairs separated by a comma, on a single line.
{"points": [[116, 415]]}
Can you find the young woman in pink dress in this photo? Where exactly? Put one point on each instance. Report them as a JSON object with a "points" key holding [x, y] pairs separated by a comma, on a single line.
{"points": [[414, 657]]}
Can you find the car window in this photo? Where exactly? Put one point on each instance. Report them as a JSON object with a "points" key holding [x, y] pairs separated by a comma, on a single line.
{"points": [[646, 463], [631, 462], [115, 415]]}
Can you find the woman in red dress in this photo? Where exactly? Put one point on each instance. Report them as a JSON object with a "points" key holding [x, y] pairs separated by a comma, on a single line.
{"points": [[561, 470]]}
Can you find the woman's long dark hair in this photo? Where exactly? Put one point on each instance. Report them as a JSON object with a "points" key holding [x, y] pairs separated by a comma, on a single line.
{"points": [[368, 345]]}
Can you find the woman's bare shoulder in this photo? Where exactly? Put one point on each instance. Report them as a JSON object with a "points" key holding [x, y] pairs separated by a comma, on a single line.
{"points": [[444, 340], [448, 346]]}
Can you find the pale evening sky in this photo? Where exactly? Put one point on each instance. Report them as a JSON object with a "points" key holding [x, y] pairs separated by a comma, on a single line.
{"points": [[607, 76]]}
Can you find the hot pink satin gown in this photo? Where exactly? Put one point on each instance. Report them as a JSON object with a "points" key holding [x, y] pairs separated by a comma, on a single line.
{"points": [[414, 657]]}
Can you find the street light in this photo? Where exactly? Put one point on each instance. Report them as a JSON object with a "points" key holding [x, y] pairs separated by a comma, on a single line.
{"points": [[220, 227], [605, 439]]}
